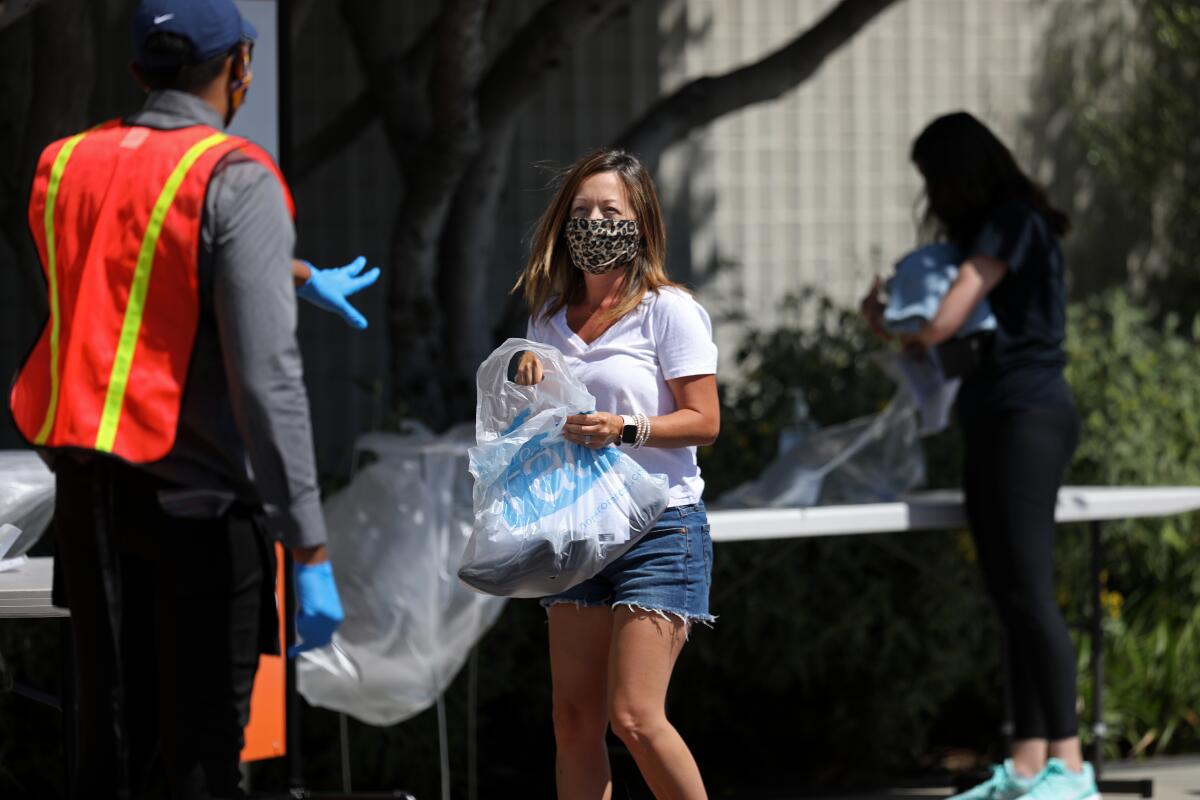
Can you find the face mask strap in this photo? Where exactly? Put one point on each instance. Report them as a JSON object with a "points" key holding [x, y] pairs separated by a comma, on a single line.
{"points": [[239, 88]]}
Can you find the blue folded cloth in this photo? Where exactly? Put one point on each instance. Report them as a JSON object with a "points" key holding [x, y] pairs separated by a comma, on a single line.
{"points": [[921, 281]]}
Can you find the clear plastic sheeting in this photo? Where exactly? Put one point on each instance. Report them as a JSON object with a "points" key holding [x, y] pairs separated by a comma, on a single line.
{"points": [[866, 460], [548, 513], [396, 538], [932, 393], [26, 497]]}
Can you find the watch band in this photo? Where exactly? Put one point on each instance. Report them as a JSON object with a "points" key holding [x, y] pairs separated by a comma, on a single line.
{"points": [[629, 430]]}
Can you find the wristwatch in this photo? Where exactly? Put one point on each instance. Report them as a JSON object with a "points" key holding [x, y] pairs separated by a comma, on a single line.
{"points": [[628, 430]]}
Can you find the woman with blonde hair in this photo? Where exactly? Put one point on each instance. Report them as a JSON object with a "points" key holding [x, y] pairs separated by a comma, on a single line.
{"points": [[598, 291]]}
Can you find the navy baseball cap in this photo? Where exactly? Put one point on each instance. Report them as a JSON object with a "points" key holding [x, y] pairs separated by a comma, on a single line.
{"points": [[212, 26]]}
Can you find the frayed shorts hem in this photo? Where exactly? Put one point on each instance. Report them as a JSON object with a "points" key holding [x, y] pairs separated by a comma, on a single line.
{"points": [[666, 613]]}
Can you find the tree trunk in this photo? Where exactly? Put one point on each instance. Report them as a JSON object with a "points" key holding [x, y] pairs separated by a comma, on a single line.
{"points": [[418, 355], [538, 50], [11, 11], [466, 289]]}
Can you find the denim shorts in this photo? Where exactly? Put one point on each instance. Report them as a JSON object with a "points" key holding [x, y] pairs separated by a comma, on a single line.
{"points": [[668, 571]]}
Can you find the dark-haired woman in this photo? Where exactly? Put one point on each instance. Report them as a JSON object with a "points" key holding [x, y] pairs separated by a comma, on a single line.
{"points": [[1020, 429], [597, 289]]}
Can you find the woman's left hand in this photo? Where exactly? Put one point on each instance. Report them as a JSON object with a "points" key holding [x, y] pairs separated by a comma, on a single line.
{"points": [[596, 430], [872, 308]]}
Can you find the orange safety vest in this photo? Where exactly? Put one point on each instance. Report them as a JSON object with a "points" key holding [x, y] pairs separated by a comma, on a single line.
{"points": [[116, 215]]}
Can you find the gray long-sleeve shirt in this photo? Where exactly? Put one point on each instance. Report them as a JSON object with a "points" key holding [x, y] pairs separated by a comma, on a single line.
{"points": [[244, 431]]}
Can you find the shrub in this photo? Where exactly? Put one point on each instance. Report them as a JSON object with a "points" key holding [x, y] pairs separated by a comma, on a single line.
{"points": [[1137, 384]]}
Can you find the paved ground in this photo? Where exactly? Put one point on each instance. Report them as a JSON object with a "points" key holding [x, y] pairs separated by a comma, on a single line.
{"points": [[1174, 779]]}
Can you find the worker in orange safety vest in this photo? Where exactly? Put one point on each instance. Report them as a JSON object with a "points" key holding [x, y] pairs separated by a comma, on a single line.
{"points": [[166, 392]]}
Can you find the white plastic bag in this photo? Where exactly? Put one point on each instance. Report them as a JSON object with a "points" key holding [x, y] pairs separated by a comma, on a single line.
{"points": [[396, 537], [26, 496], [866, 460], [931, 392], [548, 513]]}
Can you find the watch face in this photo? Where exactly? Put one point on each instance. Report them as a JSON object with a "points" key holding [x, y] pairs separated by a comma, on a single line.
{"points": [[629, 434]]}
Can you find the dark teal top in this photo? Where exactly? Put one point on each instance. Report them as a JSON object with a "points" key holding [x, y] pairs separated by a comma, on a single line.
{"points": [[1023, 368]]}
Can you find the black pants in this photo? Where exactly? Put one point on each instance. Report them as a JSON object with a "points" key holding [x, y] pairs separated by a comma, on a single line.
{"points": [[168, 621], [1015, 463]]}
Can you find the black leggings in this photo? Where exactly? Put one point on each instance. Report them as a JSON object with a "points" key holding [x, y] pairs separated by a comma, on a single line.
{"points": [[1015, 463]]}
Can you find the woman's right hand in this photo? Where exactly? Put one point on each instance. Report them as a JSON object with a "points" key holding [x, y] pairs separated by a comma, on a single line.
{"points": [[529, 369], [872, 308]]}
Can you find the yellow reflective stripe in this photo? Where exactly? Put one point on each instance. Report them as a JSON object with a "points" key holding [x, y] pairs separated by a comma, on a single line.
{"points": [[131, 327], [56, 173]]}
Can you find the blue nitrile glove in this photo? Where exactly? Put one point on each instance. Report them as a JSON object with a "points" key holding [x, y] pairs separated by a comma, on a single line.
{"points": [[329, 288], [318, 608]]}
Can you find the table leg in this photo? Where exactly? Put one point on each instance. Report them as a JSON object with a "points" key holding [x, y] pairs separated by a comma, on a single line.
{"points": [[295, 757], [1141, 787], [69, 712], [1099, 729]]}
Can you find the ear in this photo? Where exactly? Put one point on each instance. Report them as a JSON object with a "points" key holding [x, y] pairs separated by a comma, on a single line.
{"points": [[235, 68]]}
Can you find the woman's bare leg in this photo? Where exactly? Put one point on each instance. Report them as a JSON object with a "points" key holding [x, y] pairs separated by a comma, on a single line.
{"points": [[1070, 751], [644, 648], [579, 644], [1029, 756]]}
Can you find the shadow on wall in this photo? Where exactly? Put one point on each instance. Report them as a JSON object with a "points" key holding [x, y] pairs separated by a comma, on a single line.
{"points": [[1107, 230], [685, 173]]}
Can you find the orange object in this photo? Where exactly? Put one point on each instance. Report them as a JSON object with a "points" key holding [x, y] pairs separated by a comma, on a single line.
{"points": [[116, 212], [266, 733]]}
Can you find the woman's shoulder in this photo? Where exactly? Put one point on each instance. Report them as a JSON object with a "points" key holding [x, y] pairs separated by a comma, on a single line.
{"points": [[1014, 232], [1009, 219], [1014, 214], [675, 307], [672, 299], [540, 321]]}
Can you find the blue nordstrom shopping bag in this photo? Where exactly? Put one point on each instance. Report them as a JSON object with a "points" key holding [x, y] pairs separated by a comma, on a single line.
{"points": [[548, 513]]}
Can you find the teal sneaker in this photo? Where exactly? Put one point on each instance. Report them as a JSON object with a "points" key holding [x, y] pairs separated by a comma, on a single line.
{"points": [[1005, 784], [1056, 782]]}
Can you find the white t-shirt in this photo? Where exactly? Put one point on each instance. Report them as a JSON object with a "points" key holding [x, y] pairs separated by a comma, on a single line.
{"points": [[668, 336]]}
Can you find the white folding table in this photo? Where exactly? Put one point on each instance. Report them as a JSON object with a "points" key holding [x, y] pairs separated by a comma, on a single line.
{"points": [[25, 591], [942, 510]]}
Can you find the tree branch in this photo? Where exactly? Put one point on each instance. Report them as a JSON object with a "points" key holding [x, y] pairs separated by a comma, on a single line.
{"points": [[334, 137], [13, 10], [395, 83], [705, 99], [541, 46], [301, 9]]}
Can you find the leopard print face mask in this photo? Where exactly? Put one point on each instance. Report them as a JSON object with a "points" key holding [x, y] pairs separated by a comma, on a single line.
{"points": [[601, 245]]}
